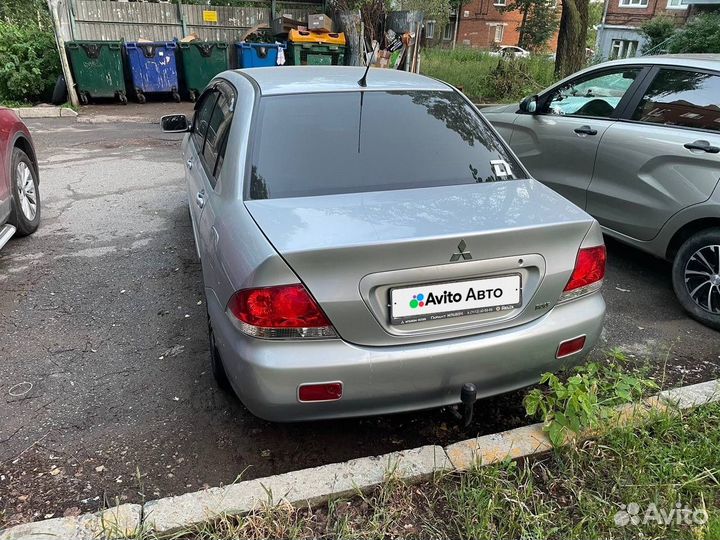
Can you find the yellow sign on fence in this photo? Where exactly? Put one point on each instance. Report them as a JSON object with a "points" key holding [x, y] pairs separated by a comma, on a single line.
{"points": [[210, 16]]}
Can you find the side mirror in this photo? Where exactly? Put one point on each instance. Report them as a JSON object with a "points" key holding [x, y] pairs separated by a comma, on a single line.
{"points": [[529, 105], [175, 123]]}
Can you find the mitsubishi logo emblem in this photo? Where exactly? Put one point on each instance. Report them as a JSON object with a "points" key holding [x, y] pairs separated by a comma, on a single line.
{"points": [[466, 255]]}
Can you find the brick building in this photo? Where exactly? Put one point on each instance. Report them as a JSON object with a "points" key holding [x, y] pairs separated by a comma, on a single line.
{"points": [[483, 25], [618, 34]]}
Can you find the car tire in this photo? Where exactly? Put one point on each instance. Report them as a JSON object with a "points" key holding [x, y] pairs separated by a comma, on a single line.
{"points": [[25, 208], [696, 277], [218, 369]]}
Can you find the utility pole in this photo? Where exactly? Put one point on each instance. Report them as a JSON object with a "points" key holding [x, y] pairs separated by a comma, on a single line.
{"points": [[55, 6]]}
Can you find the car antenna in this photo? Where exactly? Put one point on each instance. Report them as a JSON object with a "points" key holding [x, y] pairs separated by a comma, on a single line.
{"points": [[363, 82]]}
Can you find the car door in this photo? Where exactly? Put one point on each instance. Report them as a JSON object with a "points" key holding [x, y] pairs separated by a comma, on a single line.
{"points": [[209, 173], [558, 143], [664, 156], [193, 151]]}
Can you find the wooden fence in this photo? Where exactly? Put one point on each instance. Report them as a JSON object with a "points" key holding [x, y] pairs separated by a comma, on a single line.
{"points": [[112, 20]]}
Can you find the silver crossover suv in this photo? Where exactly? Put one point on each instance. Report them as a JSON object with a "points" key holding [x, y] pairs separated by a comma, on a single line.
{"points": [[636, 143], [373, 246]]}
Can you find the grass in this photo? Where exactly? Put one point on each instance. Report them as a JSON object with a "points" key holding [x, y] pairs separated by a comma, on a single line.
{"points": [[11, 104], [572, 492], [488, 79]]}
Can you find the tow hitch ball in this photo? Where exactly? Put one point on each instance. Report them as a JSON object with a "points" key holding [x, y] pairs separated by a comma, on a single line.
{"points": [[468, 397]]}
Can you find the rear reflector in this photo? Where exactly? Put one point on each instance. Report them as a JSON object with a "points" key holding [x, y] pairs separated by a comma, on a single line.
{"points": [[281, 312], [571, 346], [588, 273], [331, 391]]}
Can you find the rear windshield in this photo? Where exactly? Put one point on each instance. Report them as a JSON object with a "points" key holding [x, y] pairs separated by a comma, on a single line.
{"points": [[321, 144]]}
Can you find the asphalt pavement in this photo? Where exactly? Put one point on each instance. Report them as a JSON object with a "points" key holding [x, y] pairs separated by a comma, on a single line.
{"points": [[105, 388]]}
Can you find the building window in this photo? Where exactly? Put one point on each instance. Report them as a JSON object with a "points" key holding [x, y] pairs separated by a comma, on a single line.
{"points": [[499, 33], [499, 2], [623, 48], [677, 4], [634, 3], [448, 32], [429, 29]]}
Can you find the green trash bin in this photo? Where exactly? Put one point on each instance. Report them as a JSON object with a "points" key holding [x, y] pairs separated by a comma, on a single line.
{"points": [[316, 54], [97, 69], [201, 61]]}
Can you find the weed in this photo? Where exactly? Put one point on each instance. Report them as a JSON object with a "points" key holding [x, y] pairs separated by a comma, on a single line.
{"points": [[588, 397]]}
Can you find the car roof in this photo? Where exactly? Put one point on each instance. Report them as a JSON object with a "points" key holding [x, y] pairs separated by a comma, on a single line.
{"points": [[313, 79], [707, 61]]}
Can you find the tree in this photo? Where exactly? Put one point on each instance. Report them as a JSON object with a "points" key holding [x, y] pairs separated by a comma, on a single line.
{"points": [[25, 12], [572, 36], [700, 35], [539, 22], [436, 10], [656, 32], [595, 13]]}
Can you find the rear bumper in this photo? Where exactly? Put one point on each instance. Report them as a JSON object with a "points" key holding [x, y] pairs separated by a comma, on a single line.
{"points": [[381, 380]]}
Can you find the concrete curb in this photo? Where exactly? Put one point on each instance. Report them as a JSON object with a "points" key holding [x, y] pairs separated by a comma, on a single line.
{"points": [[319, 484], [44, 112], [110, 119], [117, 522]]}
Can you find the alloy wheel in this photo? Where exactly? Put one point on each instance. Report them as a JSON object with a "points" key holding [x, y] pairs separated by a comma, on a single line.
{"points": [[26, 190], [702, 278]]}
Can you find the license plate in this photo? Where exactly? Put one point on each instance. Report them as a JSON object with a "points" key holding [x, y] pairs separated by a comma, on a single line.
{"points": [[438, 301]]}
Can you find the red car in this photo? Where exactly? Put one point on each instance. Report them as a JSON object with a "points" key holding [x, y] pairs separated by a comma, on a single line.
{"points": [[19, 179]]}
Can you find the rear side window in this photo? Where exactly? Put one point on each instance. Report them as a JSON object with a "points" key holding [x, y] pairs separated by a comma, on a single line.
{"points": [[202, 118], [682, 98], [321, 144], [217, 131]]}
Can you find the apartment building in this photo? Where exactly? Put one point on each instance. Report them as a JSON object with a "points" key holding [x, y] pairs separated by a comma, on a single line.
{"points": [[483, 25], [618, 34]]}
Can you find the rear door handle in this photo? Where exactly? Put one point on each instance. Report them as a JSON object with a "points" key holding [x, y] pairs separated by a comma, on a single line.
{"points": [[585, 130], [702, 145], [200, 198], [189, 163]]}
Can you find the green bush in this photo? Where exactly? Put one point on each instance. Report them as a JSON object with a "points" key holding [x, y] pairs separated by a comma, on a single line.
{"points": [[657, 31], [700, 35], [29, 63], [488, 79]]}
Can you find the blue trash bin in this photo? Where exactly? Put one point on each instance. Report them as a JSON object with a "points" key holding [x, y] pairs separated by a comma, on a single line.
{"points": [[251, 55], [153, 68]]}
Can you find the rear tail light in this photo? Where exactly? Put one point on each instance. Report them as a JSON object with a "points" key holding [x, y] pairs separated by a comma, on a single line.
{"points": [[331, 391], [281, 312], [571, 346], [588, 274]]}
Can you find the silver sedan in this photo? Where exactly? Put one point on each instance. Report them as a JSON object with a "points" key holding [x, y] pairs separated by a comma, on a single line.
{"points": [[374, 247]]}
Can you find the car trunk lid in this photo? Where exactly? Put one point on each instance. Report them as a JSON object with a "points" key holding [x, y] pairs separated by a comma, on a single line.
{"points": [[352, 250]]}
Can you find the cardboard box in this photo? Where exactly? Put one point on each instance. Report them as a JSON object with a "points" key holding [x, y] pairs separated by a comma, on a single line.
{"points": [[320, 23], [282, 25], [382, 59]]}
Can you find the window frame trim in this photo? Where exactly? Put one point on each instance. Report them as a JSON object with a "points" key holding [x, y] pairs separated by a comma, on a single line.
{"points": [[640, 92], [681, 7], [432, 34], [633, 6]]}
